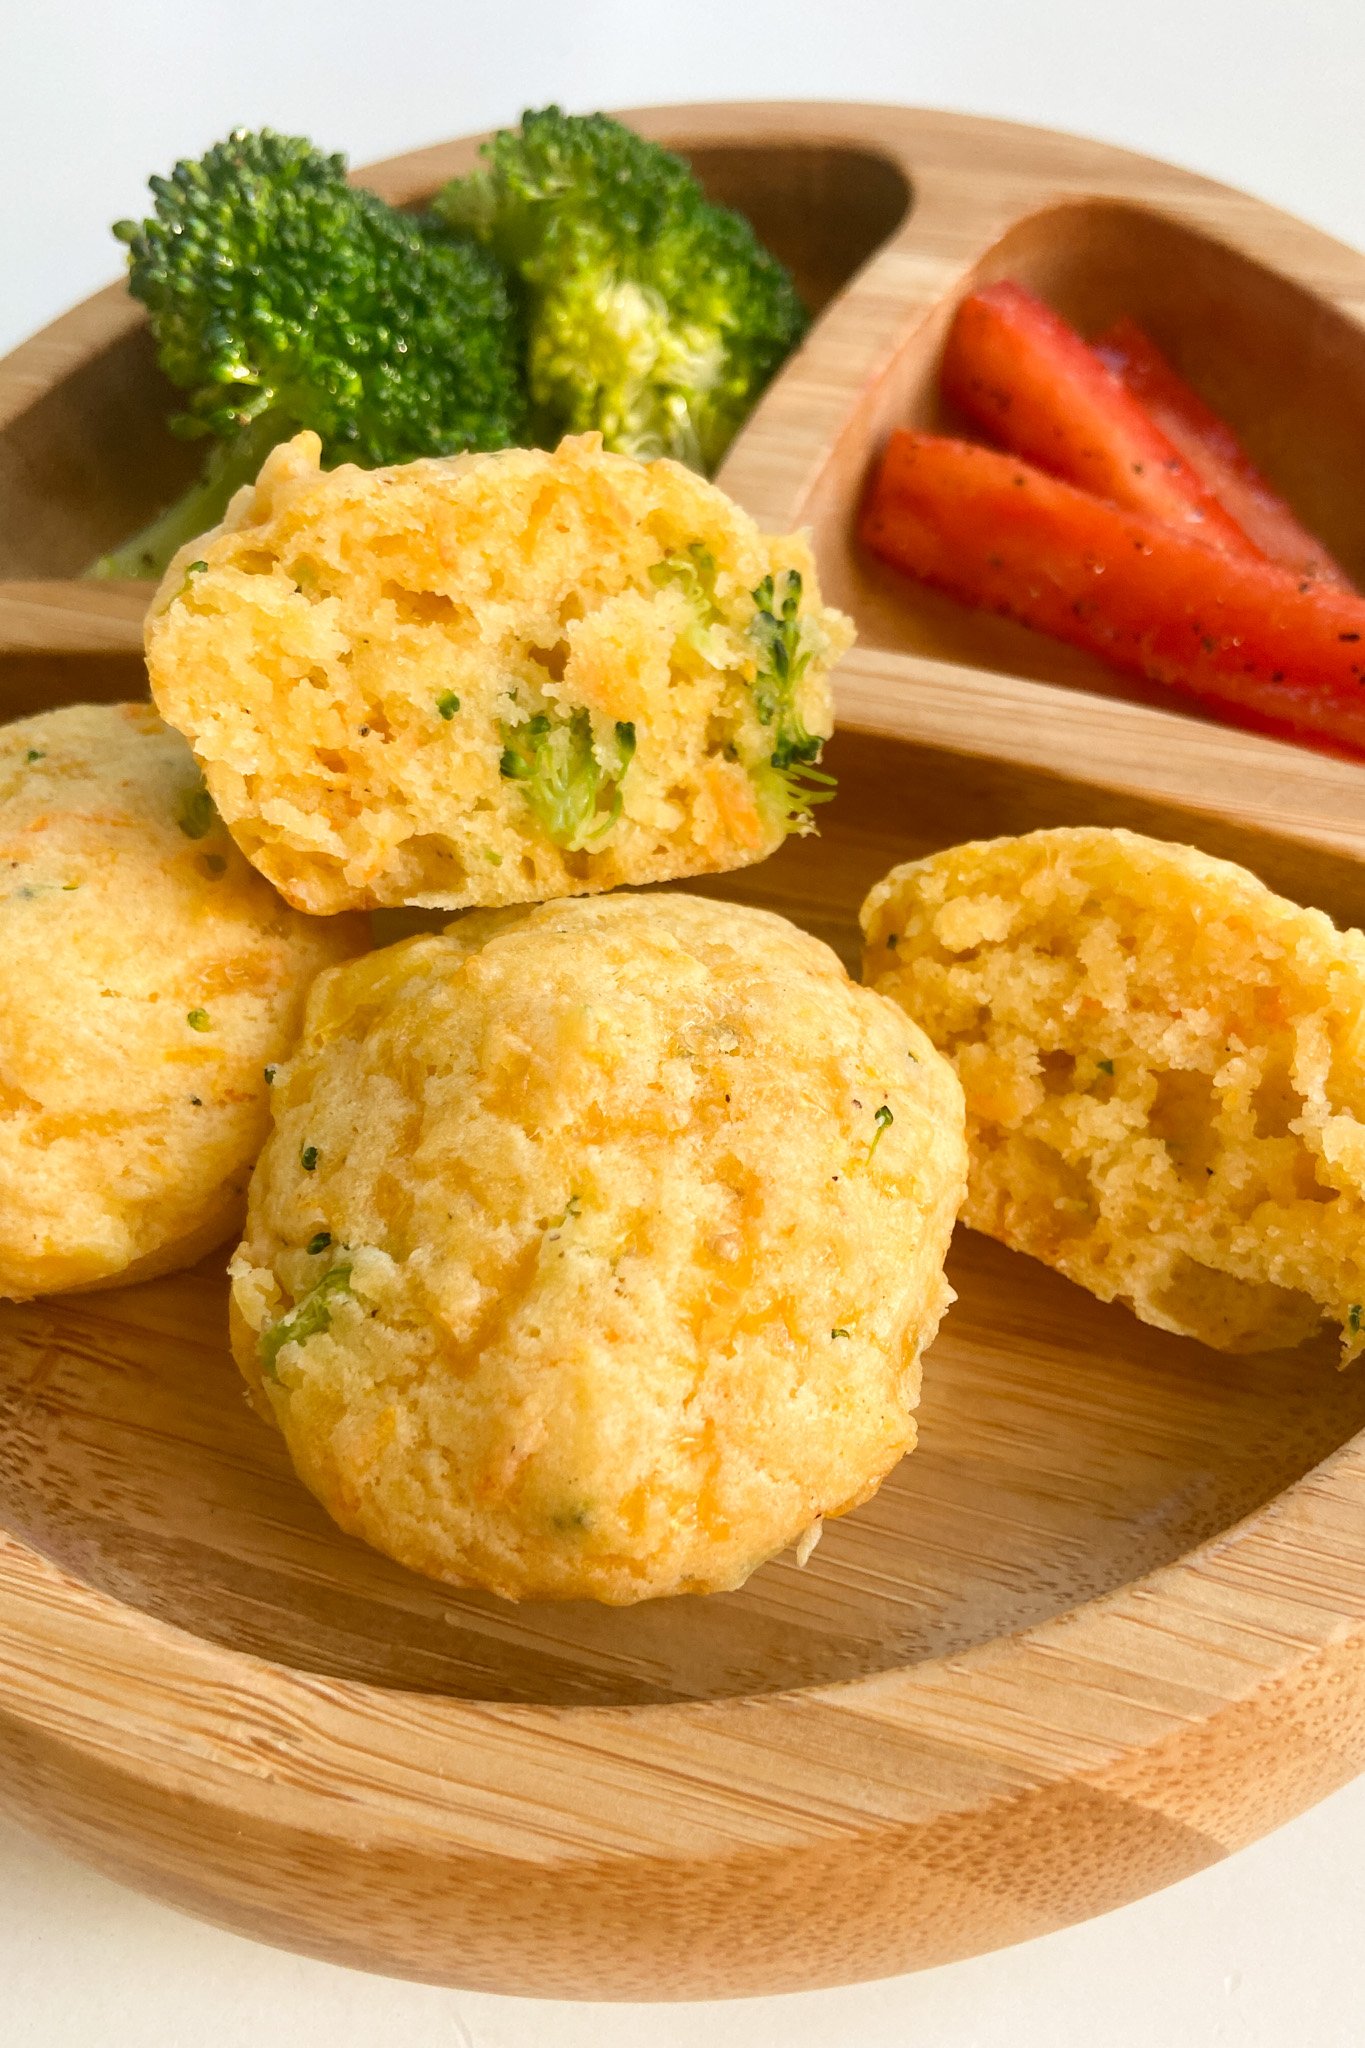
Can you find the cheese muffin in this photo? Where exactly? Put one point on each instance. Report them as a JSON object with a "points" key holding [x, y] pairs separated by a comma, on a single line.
{"points": [[595, 1246], [150, 977], [494, 679], [1164, 1066]]}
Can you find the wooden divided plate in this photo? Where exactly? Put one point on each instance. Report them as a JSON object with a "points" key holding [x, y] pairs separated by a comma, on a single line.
{"points": [[1105, 1626]]}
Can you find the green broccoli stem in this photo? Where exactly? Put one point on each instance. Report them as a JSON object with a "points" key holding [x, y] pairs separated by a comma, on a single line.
{"points": [[230, 465]]}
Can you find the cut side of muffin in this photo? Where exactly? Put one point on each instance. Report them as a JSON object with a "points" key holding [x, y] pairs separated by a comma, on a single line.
{"points": [[1164, 1067], [495, 679]]}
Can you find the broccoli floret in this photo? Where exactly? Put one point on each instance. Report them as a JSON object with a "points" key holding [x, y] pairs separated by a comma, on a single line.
{"points": [[652, 314], [281, 297], [693, 574], [788, 775], [562, 769]]}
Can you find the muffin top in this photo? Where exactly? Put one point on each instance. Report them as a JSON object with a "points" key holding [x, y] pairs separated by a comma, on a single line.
{"points": [[595, 1245]]}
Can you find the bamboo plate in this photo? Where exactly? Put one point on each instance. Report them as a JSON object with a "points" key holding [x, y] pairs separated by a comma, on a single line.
{"points": [[1106, 1625]]}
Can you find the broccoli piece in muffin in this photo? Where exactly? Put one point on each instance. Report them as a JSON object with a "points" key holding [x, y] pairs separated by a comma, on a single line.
{"points": [[562, 768], [786, 644]]}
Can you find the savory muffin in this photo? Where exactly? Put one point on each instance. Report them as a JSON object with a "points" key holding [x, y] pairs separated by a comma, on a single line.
{"points": [[150, 977], [595, 1246], [495, 679], [1164, 1066]]}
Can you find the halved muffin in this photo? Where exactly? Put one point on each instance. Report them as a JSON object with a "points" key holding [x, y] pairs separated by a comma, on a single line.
{"points": [[1164, 1066], [495, 679]]}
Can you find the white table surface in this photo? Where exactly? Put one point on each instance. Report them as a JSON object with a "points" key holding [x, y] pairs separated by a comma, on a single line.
{"points": [[1267, 1949]]}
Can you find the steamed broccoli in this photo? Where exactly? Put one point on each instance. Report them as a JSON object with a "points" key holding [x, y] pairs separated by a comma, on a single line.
{"points": [[281, 297], [652, 314]]}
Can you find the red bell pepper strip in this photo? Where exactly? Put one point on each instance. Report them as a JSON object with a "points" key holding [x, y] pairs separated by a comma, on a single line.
{"points": [[1215, 454], [1016, 369], [1247, 640]]}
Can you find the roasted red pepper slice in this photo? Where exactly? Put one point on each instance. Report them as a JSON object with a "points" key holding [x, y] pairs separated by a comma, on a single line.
{"points": [[1215, 454], [1016, 368], [1246, 639]]}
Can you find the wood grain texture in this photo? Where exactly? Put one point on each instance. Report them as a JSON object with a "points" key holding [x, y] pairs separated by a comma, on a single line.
{"points": [[1106, 1625]]}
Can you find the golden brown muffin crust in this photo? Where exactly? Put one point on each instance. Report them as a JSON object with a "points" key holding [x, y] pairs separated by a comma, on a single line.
{"points": [[627, 1220], [149, 977]]}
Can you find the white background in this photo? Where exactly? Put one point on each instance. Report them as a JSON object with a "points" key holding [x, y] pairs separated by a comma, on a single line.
{"points": [[1265, 1950]]}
